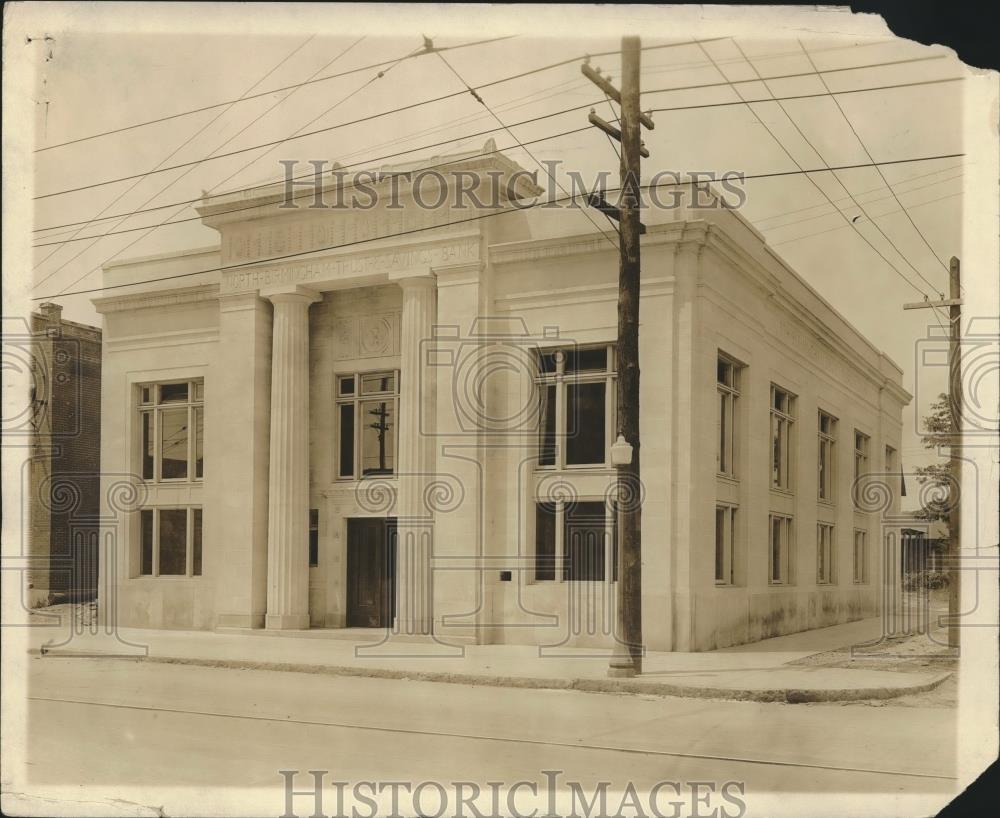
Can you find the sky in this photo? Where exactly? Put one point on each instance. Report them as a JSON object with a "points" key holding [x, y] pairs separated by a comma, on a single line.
{"points": [[93, 77]]}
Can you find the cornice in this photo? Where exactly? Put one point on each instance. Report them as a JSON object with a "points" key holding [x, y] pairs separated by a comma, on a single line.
{"points": [[519, 252], [156, 298]]}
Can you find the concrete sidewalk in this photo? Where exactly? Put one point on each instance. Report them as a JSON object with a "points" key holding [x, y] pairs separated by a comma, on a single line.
{"points": [[757, 672]]}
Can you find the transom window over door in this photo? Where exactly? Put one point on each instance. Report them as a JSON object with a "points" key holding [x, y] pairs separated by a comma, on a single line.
{"points": [[367, 405], [576, 392]]}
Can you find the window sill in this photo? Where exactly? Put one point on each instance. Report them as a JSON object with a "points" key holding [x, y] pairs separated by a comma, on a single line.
{"points": [[727, 478], [587, 467], [168, 577], [828, 503], [782, 492]]}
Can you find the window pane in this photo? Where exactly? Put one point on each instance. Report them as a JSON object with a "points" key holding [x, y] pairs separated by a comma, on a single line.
{"points": [[346, 458], [147, 446], [720, 544], [380, 382], [378, 437], [547, 362], [775, 451], [584, 531], [545, 541], [146, 396], [585, 423], [199, 443], [346, 386], [174, 393], [547, 426], [587, 360], [314, 536], [196, 542], [615, 517], [724, 372], [199, 390], [146, 541], [173, 541], [724, 419], [174, 443], [775, 549]]}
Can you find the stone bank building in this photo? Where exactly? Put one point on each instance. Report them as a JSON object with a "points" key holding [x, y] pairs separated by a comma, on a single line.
{"points": [[400, 418]]}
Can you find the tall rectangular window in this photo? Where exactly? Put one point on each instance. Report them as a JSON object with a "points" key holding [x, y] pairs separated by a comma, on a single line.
{"points": [[146, 541], [576, 541], [585, 529], [171, 430], [313, 537], [545, 541], [860, 556], [576, 391], [782, 417], [170, 541], [827, 455], [585, 432], [367, 404], [824, 554], [725, 542], [862, 444], [728, 387], [780, 561]]}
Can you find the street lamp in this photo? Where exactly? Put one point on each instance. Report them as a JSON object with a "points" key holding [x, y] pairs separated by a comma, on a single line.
{"points": [[621, 452]]}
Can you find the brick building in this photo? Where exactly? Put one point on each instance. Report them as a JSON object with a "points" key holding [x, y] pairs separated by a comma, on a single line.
{"points": [[64, 465]]}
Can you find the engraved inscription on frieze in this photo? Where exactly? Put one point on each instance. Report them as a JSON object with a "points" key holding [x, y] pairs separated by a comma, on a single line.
{"points": [[254, 241], [345, 267]]}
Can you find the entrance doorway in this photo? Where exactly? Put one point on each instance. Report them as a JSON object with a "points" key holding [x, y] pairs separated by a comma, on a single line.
{"points": [[371, 572]]}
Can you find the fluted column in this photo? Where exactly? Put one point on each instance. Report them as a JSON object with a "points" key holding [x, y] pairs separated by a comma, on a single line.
{"points": [[417, 409], [288, 498]]}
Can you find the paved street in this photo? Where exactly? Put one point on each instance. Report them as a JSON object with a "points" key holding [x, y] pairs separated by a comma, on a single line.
{"points": [[118, 724]]}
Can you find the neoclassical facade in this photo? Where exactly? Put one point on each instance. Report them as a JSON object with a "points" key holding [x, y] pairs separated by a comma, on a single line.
{"points": [[399, 418]]}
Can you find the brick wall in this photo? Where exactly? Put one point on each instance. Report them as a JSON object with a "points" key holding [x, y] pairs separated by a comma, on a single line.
{"points": [[65, 466]]}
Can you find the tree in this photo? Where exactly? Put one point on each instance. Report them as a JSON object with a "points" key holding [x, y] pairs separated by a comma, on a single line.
{"points": [[937, 429]]}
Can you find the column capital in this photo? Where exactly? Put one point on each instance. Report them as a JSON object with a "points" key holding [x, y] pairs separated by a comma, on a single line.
{"points": [[409, 281], [290, 293]]}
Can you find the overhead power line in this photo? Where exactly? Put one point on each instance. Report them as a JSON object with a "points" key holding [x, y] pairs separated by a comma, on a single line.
{"points": [[344, 99], [204, 108], [842, 226], [186, 142], [486, 132], [446, 97], [846, 198], [311, 194], [315, 80], [263, 262], [510, 133], [788, 153], [864, 147]]}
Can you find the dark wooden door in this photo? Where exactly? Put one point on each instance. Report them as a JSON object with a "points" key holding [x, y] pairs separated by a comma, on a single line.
{"points": [[371, 572]]}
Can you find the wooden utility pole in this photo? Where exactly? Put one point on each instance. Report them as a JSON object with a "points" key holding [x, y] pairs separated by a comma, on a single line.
{"points": [[628, 650], [954, 440]]}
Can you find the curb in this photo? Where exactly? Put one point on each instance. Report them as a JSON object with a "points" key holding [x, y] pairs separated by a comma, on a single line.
{"points": [[786, 695]]}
